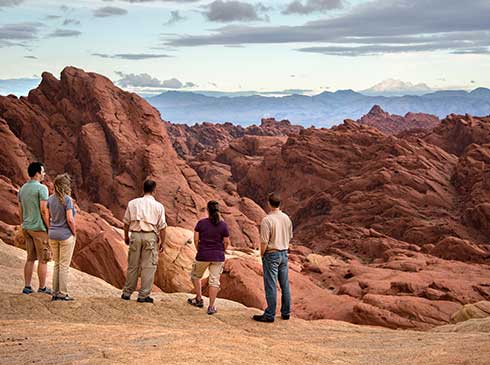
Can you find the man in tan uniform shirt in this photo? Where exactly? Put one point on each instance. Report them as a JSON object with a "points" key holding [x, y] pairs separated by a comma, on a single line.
{"points": [[145, 219], [276, 230]]}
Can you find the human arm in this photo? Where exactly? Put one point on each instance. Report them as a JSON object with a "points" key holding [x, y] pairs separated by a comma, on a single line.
{"points": [[43, 207], [162, 236], [265, 233], [70, 219], [126, 221], [226, 242], [21, 214], [126, 233], [196, 240], [70, 215]]}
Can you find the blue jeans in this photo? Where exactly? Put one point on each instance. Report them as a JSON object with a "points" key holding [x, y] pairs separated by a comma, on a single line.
{"points": [[275, 265]]}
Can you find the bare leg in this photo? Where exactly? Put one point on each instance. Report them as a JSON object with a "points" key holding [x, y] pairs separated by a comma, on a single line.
{"points": [[213, 293], [197, 288], [28, 269], [42, 270]]}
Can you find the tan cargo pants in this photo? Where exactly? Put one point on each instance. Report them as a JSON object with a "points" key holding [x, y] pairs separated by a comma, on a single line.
{"points": [[142, 256]]}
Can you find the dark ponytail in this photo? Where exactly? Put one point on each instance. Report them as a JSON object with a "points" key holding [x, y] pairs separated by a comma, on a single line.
{"points": [[213, 212]]}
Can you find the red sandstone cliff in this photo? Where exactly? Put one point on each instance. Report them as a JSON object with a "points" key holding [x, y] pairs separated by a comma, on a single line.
{"points": [[388, 231]]}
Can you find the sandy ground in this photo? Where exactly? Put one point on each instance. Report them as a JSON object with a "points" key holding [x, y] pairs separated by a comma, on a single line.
{"points": [[100, 328]]}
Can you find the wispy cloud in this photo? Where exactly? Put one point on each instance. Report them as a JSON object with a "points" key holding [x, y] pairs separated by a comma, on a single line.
{"points": [[312, 6], [131, 56], [5, 3], [107, 11], [63, 33], [231, 11], [150, 1], [175, 17], [19, 32], [71, 22]]}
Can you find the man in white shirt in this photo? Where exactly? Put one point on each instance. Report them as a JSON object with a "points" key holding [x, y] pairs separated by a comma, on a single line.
{"points": [[276, 230], [145, 220]]}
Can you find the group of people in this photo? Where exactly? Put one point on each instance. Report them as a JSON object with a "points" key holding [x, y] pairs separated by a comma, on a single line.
{"points": [[49, 228]]}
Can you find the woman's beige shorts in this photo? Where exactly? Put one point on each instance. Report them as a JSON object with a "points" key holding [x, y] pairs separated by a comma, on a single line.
{"points": [[215, 270]]}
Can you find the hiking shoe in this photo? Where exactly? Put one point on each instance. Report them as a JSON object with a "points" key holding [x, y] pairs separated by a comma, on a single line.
{"points": [[285, 316], [62, 297], [212, 310], [262, 318], [196, 302], [125, 297], [45, 290], [27, 290], [66, 298], [145, 300]]}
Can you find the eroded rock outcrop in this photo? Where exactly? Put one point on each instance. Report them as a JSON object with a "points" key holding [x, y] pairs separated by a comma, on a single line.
{"points": [[394, 124]]}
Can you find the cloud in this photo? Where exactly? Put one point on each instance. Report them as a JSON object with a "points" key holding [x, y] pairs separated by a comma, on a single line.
{"points": [[230, 11], [63, 33], [71, 21], [20, 31], [4, 3], [312, 6], [31, 57], [52, 17], [109, 11], [175, 17], [131, 56], [145, 80], [150, 1], [375, 27]]}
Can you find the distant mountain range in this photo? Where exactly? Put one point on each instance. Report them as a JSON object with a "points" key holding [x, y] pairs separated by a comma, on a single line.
{"points": [[322, 110]]}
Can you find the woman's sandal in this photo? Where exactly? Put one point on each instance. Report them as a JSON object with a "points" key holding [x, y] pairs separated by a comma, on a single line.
{"points": [[196, 302]]}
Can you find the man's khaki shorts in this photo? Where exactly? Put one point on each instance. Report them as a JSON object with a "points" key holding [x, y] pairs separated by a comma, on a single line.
{"points": [[215, 270], [37, 246]]}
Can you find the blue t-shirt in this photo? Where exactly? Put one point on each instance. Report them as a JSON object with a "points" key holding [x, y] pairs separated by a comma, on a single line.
{"points": [[59, 229], [211, 240]]}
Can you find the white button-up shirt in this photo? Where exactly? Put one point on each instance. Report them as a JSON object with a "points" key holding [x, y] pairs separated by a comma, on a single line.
{"points": [[145, 214]]}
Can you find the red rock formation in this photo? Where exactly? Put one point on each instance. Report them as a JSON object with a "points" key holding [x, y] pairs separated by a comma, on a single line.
{"points": [[457, 132], [394, 124], [208, 139], [389, 231], [110, 141], [355, 175]]}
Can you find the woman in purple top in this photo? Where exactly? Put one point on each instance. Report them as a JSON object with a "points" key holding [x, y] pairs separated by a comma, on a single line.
{"points": [[62, 232], [211, 238]]}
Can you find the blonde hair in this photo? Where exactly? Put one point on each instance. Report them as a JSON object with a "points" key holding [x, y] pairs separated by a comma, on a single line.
{"points": [[62, 186]]}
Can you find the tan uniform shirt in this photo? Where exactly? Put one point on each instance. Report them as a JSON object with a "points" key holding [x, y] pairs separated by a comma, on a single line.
{"points": [[276, 230], [145, 214]]}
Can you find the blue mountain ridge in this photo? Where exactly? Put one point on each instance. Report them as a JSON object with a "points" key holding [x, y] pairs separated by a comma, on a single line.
{"points": [[322, 110]]}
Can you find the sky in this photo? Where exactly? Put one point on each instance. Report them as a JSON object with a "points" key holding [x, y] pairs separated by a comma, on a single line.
{"points": [[268, 46]]}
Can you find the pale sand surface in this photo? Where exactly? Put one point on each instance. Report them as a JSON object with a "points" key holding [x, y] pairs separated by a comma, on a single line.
{"points": [[100, 328]]}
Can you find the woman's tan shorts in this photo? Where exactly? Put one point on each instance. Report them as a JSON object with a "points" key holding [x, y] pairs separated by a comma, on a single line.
{"points": [[215, 270]]}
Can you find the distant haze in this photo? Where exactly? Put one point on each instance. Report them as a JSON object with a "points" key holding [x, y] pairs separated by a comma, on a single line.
{"points": [[322, 110]]}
